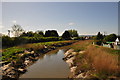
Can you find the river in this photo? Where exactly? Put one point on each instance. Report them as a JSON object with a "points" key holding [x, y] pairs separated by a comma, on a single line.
{"points": [[49, 65]]}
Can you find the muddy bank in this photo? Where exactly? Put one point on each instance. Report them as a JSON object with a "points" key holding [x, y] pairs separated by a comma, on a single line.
{"points": [[14, 69]]}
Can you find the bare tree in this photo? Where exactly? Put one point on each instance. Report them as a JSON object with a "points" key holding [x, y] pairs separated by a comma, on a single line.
{"points": [[17, 30]]}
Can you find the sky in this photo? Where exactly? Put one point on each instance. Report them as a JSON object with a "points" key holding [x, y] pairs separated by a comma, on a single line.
{"points": [[60, 0], [85, 17]]}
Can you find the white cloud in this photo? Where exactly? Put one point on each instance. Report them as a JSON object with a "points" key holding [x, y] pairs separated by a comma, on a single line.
{"points": [[1, 26], [71, 23], [14, 21]]}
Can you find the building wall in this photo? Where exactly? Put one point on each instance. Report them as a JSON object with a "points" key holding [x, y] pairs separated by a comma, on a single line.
{"points": [[106, 45], [117, 47]]}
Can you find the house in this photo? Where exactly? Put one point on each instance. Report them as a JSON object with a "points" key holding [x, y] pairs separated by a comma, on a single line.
{"points": [[115, 45], [108, 44]]}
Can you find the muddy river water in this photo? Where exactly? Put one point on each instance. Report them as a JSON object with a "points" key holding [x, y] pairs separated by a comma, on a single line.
{"points": [[49, 66]]}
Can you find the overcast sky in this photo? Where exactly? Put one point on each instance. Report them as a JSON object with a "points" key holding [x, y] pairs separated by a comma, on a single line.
{"points": [[86, 17]]}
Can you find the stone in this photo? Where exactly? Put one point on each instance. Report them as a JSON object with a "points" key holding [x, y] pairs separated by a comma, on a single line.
{"points": [[26, 51], [32, 52], [81, 52], [73, 69], [69, 52], [22, 70], [81, 75], [74, 53], [5, 67], [70, 61]]}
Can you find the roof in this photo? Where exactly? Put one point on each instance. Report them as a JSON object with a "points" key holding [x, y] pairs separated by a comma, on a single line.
{"points": [[109, 42], [117, 40]]}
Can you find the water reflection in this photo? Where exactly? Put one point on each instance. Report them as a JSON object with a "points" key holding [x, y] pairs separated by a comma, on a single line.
{"points": [[49, 65]]}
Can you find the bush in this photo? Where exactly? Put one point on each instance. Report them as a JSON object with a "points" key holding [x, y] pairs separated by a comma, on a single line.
{"points": [[98, 42], [41, 39], [111, 38], [7, 41]]}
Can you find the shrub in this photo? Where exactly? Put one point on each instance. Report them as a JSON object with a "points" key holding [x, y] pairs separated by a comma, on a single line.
{"points": [[98, 42], [7, 41], [111, 38]]}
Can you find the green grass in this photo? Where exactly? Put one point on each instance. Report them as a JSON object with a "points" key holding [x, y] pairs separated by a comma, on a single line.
{"points": [[50, 43], [10, 54]]}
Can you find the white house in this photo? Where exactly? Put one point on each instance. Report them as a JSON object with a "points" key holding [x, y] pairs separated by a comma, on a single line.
{"points": [[117, 41], [117, 44]]}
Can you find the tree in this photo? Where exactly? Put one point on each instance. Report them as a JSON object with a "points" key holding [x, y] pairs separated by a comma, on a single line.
{"points": [[73, 33], [39, 34], [51, 33], [17, 30], [111, 38], [7, 41], [99, 36], [23, 34], [30, 34], [66, 35]]}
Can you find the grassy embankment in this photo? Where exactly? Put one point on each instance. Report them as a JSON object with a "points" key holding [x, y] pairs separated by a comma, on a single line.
{"points": [[14, 53], [100, 61]]}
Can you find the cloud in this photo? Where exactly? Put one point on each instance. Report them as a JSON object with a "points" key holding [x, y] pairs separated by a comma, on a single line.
{"points": [[1, 26], [14, 21], [71, 23]]}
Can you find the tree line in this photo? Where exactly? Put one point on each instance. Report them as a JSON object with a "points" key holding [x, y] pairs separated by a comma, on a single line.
{"points": [[22, 37], [100, 38]]}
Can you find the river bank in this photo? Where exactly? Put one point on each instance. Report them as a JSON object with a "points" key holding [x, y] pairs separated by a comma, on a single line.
{"points": [[69, 58], [92, 62], [84, 59], [14, 69]]}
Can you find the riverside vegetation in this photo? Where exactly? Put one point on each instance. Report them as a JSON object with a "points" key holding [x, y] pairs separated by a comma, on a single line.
{"points": [[89, 61], [16, 59], [85, 59]]}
